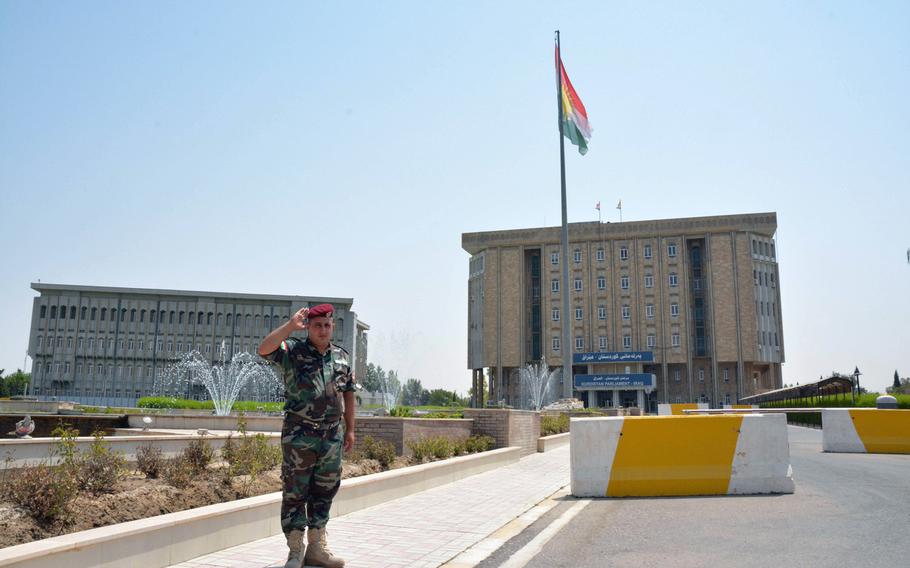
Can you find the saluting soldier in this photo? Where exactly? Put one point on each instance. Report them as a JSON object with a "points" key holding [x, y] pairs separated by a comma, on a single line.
{"points": [[319, 393]]}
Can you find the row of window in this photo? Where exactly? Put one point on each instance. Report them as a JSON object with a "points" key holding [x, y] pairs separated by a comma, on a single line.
{"points": [[623, 282], [600, 255], [603, 344], [765, 337], [764, 278], [101, 368], [102, 314], [763, 248], [130, 344], [625, 310], [766, 308]]}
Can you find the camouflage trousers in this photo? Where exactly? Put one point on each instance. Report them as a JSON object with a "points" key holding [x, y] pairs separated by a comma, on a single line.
{"points": [[310, 475]]}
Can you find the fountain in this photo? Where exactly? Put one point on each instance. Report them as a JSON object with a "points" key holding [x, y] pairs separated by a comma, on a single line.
{"points": [[223, 382], [536, 380]]}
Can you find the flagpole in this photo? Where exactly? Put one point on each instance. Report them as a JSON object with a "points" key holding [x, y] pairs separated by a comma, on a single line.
{"points": [[567, 380]]}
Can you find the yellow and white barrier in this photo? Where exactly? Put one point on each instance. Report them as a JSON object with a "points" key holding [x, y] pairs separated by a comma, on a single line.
{"points": [[740, 406], [676, 409], [866, 430], [730, 454]]}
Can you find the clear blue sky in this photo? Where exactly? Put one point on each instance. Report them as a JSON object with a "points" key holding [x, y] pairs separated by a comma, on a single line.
{"points": [[342, 150]]}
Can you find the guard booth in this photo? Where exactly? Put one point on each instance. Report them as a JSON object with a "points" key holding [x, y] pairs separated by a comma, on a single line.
{"points": [[615, 379]]}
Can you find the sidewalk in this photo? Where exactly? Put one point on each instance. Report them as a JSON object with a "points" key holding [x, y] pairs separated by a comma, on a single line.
{"points": [[423, 530]]}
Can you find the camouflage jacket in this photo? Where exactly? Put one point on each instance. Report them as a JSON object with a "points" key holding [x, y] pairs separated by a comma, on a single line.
{"points": [[313, 382]]}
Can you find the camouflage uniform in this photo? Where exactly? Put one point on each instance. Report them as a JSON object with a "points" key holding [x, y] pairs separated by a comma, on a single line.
{"points": [[313, 433]]}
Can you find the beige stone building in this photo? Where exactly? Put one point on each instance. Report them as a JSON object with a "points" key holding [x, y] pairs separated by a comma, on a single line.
{"points": [[671, 310]]}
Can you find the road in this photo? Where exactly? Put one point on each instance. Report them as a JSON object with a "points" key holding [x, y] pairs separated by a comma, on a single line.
{"points": [[848, 510]]}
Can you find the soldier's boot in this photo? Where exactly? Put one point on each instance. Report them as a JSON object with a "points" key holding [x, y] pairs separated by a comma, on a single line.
{"points": [[317, 551], [296, 549]]}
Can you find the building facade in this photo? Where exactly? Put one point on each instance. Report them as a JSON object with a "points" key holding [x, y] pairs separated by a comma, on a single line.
{"points": [[673, 310], [109, 346]]}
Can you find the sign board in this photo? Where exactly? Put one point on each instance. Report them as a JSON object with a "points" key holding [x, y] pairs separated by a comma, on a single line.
{"points": [[645, 381], [614, 357]]}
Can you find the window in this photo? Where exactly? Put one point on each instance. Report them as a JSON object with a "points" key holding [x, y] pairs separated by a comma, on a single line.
{"points": [[82, 313], [554, 286], [170, 318], [53, 312], [103, 313], [602, 312], [600, 254], [726, 375], [771, 274], [674, 280], [652, 341], [754, 247], [208, 348], [43, 312], [160, 343], [623, 253], [555, 343], [776, 344], [578, 313], [69, 342], [152, 316], [674, 309], [66, 368], [727, 398], [94, 314], [701, 375], [578, 284], [131, 344], [91, 343], [179, 347], [72, 312], [554, 258], [675, 339], [627, 341], [671, 250], [577, 256], [180, 318], [579, 343], [601, 282], [676, 375], [626, 312], [649, 281], [40, 341], [170, 346], [229, 320], [649, 311], [121, 344], [602, 342], [59, 341], [755, 276], [208, 319], [133, 315], [200, 317], [100, 370], [123, 314], [773, 255], [141, 344], [647, 251], [555, 314], [624, 282]]}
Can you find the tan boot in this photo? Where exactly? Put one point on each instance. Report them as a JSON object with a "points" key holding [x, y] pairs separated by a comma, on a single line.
{"points": [[317, 551], [296, 549]]}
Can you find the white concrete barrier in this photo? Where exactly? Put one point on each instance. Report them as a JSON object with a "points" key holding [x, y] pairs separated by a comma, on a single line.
{"points": [[676, 408], [547, 443], [730, 454], [173, 538], [866, 430]]}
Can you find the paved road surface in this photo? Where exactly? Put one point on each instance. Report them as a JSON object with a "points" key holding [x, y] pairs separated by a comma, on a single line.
{"points": [[848, 510]]}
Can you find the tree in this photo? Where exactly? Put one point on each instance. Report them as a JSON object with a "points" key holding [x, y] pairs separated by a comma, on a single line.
{"points": [[897, 380], [442, 397], [373, 381], [413, 393], [14, 384]]}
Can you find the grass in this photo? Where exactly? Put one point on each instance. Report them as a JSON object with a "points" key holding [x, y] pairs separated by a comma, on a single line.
{"points": [[814, 419]]}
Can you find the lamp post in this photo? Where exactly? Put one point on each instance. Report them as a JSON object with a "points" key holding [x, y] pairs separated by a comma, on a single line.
{"points": [[856, 375]]}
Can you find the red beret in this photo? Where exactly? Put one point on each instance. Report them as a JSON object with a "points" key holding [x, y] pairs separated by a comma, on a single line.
{"points": [[322, 310]]}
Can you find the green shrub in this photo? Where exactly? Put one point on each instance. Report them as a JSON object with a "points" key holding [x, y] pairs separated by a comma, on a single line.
{"points": [[459, 414], [43, 491], [476, 444], [429, 448], [182, 403], [401, 412], [379, 450], [100, 468], [251, 455], [199, 454], [150, 461], [550, 425], [66, 449]]}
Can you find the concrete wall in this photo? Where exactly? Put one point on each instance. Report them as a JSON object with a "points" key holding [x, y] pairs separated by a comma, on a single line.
{"points": [[507, 427], [400, 431]]}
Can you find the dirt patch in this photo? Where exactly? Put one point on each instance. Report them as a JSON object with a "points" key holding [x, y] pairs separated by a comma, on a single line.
{"points": [[136, 497]]}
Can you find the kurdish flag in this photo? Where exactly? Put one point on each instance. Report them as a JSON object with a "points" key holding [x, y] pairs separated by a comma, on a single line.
{"points": [[575, 125]]}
